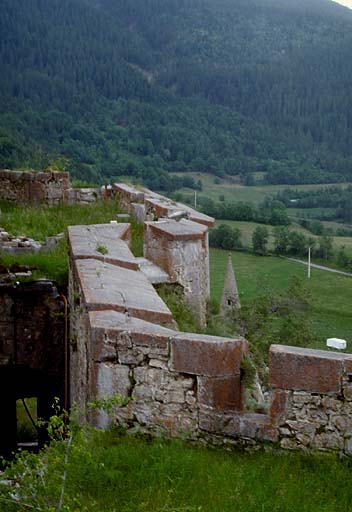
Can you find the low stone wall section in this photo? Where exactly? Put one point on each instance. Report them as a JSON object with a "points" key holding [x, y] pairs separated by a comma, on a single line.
{"points": [[123, 340], [312, 398], [46, 187]]}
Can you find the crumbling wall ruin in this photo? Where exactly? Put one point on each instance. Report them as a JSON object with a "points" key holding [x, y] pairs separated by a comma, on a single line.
{"points": [[44, 187]]}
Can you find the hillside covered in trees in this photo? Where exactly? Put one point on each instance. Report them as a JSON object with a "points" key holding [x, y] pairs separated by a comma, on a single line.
{"points": [[146, 87]]}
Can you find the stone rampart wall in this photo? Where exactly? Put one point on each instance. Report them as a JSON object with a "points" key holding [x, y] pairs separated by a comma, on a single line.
{"points": [[124, 340]]}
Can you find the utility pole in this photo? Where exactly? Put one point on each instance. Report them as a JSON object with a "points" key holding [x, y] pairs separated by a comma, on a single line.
{"points": [[309, 262], [195, 199]]}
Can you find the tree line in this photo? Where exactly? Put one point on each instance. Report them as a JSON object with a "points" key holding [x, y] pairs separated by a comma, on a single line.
{"points": [[284, 242]]}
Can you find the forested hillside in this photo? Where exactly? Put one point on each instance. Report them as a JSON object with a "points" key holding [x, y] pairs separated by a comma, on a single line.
{"points": [[142, 87]]}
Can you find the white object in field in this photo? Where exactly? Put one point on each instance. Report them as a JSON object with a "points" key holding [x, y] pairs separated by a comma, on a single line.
{"points": [[336, 343], [113, 222]]}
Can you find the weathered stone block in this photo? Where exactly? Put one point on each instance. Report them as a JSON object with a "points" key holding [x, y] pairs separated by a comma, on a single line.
{"points": [[223, 394], [278, 406], [109, 287], [315, 371], [209, 356], [105, 242]]}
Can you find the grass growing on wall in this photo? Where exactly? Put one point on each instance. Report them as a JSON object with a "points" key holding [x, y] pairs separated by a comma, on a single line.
{"points": [[40, 222], [172, 295], [111, 473]]}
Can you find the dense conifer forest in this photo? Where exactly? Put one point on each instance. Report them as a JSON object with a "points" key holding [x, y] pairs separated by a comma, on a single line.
{"points": [[147, 87]]}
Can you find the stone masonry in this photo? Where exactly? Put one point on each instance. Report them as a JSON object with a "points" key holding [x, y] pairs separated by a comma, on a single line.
{"points": [[175, 239], [181, 250], [44, 187], [35, 187], [123, 340]]}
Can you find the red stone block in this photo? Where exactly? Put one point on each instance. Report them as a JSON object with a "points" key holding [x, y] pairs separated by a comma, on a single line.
{"points": [[300, 369], [222, 394], [209, 356]]}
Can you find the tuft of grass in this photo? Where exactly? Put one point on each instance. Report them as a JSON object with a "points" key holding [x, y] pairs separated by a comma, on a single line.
{"points": [[102, 249]]}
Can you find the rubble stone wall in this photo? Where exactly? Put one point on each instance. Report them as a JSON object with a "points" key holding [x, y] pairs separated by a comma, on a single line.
{"points": [[312, 398], [191, 384], [44, 187]]}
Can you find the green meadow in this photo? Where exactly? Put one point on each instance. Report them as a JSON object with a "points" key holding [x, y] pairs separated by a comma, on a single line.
{"points": [[233, 191], [330, 309]]}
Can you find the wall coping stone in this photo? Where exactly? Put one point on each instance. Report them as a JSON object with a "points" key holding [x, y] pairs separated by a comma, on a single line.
{"points": [[84, 241], [178, 230], [302, 369], [105, 286]]}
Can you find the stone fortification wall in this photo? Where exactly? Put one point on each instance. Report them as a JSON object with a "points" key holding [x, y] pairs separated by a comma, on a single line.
{"points": [[44, 187], [312, 398], [123, 340], [175, 239], [146, 205]]}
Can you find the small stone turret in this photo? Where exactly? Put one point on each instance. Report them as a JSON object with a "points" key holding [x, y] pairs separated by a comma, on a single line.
{"points": [[230, 299]]}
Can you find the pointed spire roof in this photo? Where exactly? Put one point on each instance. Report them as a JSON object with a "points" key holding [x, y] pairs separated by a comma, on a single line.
{"points": [[230, 299]]}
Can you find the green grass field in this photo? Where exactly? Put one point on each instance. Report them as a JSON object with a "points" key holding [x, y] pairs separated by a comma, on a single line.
{"points": [[331, 293], [233, 191], [110, 473]]}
